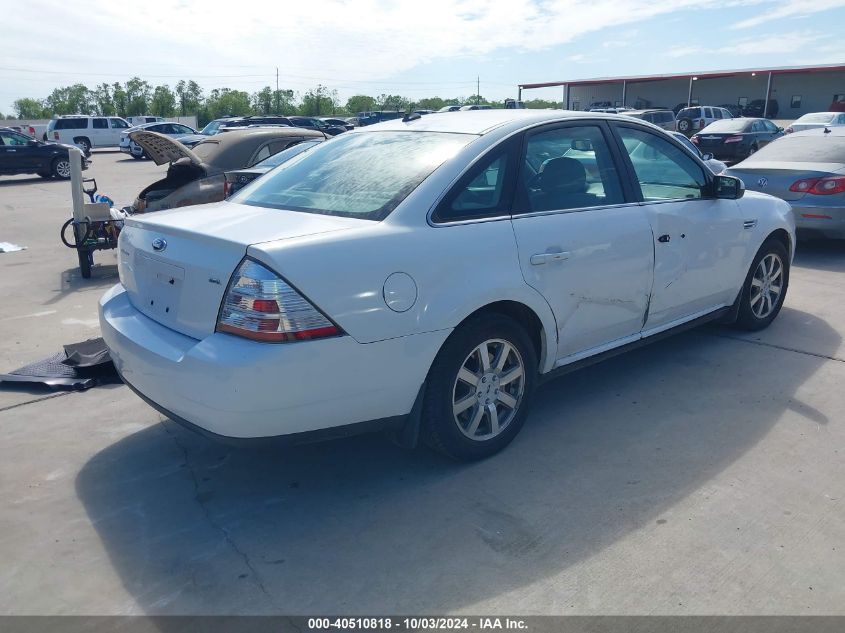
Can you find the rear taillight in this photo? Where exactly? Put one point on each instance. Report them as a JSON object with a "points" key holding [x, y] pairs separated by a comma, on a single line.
{"points": [[56, 135], [701, 123], [227, 188], [694, 139], [733, 139], [819, 186], [261, 306]]}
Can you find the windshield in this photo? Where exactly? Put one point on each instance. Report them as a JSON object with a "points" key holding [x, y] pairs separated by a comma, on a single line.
{"points": [[726, 125], [802, 149], [355, 175], [817, 117], [212, 128], [285, 155]]}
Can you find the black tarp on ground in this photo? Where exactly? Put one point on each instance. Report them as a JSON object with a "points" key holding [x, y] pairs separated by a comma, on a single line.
{"points": [[80, 366]]}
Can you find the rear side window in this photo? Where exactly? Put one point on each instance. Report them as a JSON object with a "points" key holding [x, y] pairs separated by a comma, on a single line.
{"points": [[71, 124], [100, 124], [664, 170], [118, 124], [708, 113], [567, 168], [485, 190]]}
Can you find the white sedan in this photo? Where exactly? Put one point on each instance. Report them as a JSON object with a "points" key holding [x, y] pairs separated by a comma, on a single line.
{"points": [[423, 275], [173, 130]]}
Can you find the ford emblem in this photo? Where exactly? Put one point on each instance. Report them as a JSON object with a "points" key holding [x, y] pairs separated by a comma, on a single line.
{"points": [[159, 244], [763, 182]]}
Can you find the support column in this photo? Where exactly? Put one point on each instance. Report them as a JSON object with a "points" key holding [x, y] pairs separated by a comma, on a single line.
{"points": [[689, 94], [768, 96], [624, 93]]}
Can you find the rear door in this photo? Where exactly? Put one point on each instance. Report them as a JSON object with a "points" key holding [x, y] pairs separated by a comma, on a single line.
{"points": [[699, 243], [583, 243]]}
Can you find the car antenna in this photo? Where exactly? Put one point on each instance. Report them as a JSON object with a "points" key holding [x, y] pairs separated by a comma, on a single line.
{"points": [[411, 116], [826, 130]]}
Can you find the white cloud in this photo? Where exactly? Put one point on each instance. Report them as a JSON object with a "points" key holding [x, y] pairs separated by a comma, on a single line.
{"points": [[789, 10], [758, 45]]}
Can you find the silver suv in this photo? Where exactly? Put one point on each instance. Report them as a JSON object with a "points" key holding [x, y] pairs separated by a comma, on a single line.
{"points": [[661, 118], [696, 118]]}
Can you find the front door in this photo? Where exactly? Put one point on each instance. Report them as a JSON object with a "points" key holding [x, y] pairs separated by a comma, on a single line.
{"points": [[699, 242], [582, 242], [17, 154]]}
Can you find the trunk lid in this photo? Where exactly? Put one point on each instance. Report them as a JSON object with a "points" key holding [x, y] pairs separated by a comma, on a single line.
{"points": [[707, 141], [176, 265], [775, 178], [163, 149]]}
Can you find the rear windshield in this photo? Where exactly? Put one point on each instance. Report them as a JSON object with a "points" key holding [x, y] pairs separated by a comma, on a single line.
{"points": [[355, 175], [689, 113], [803, 149], [726, 125], [212, 128], [816, 117]]}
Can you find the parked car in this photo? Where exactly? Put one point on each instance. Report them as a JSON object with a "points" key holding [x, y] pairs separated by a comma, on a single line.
{"points": [[196, 175], [25, 128], [86, 132], [313, 123], [837, 106], [142, 119], [736, 139], [331, 295], [475, 107], [734, 109], [691, 120], [816, 120], [20, 154], [450, 108], [218, 125], [173, 130], [335, 122], [599, 104], [807, 169], [715, 165], [755, 108], [239, 178], [661, 118], [423, 112]]}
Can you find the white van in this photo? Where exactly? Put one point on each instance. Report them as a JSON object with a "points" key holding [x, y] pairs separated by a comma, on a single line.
{"points": [[86, 132], [144, 118]]}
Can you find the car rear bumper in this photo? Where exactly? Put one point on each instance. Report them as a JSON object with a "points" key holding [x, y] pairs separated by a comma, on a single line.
{"points": [[236, 388], [821, 221]]}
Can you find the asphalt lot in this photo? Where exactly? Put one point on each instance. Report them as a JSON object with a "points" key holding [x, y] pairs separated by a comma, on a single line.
{"points": [[704, 474]]}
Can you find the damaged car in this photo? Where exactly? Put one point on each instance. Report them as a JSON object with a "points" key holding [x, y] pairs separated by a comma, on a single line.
{"points": [[197, 175]]}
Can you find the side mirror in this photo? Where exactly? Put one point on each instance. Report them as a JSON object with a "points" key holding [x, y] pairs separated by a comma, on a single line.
{"points": [[780, 129], [33, 142], [728, 188], [707, 157]]}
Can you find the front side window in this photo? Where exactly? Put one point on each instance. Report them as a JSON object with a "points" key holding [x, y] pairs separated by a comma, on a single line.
{"points": [[664, 170], [12, 138], [356, 175], [568, 168]]}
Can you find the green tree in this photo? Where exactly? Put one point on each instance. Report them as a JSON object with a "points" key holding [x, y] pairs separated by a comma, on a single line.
{"points": [[360, 103], [75, 99], [227, 102], [103, 100], [319, 100], [541, 104], [391, 102], [31, 109], [120, 100], [190, 97], [163, 102], [432, 103], [262, 101], [138, 96]]}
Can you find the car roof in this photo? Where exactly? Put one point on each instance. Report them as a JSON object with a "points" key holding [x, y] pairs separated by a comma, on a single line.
{"points": [[483, 121], [835, 130], [235, 147]]}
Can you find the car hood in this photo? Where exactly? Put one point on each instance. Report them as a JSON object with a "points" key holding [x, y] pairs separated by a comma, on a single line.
{"points": [[163, 149]]}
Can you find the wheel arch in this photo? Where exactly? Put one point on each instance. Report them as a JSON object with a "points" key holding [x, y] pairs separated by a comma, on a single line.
{"points": [[537, 330], [782, 236]]}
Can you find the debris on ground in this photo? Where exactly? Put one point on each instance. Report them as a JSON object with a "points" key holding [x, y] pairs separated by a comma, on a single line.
{"points": [[79, 366]]}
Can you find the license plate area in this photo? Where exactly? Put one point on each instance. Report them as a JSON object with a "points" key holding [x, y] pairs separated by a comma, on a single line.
{"points": [[161, 287]]}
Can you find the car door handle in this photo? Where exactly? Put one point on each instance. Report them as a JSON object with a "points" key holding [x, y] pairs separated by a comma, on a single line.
{"points": [[749, 224], [544, 258], [664, 238]]}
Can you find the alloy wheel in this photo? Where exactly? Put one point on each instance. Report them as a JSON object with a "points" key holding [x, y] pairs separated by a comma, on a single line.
{"points": [[63, 168], [488, 389], [766, 285]]}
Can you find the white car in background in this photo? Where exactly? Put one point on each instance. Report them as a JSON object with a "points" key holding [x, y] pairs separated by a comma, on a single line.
{"points": [[424, 275], [815, 120], [172, 130], [86, 132]]}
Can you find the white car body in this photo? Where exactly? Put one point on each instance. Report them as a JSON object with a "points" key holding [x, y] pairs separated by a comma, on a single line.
{"points": [[815, 120], [172, 130], [86, 131], [594, 280]]}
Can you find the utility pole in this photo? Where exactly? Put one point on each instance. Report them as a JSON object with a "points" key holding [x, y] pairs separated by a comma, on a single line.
{"points": [[477, 89], [276, 96]]}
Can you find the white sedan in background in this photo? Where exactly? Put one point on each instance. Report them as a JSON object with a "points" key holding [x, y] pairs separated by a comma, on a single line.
{"points": [[173, 130], [424, 275], [815, 120]]}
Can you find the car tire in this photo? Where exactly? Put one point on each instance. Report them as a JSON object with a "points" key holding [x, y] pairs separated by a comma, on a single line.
{"points": [[471, 420], [60, 168], [752, 150], [86, 260], [762, 296], [684, 125], [84, 144]]}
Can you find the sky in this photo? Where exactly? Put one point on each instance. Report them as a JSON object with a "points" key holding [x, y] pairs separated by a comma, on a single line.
{"points": [[413, 48]]}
